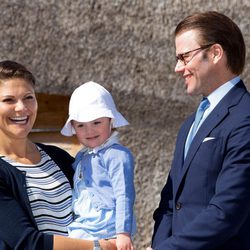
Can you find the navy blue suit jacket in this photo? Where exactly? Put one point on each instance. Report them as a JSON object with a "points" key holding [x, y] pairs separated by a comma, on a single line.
{"points": [[205, 203]]}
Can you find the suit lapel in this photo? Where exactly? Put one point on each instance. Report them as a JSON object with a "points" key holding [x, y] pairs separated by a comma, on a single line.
{"points": [[180, 143], [214, 118]]}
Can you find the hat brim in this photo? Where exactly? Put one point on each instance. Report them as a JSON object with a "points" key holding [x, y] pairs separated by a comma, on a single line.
{"points": [[117, 118]]}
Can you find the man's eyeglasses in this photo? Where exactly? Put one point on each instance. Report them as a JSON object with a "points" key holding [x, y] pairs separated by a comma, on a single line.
{"points": [[184, 57]]}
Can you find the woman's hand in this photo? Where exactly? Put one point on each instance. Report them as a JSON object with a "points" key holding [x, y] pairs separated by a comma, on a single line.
{"points": [[108, 244]]}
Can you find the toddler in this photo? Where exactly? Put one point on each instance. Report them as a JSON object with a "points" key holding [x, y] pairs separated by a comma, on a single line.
{"points": [[104, 194]]}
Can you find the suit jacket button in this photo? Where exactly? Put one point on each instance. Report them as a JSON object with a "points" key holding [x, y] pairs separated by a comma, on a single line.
{"points": [[178, 206]]}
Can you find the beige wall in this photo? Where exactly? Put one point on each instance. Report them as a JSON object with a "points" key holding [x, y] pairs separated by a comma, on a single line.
{"points": [[127, 46]]}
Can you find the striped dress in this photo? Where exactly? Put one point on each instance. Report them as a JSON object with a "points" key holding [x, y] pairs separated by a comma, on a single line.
{"points": [[49, 193]]}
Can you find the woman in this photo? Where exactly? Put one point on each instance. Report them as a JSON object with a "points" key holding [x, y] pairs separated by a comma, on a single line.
{"points": [[35, 179]]}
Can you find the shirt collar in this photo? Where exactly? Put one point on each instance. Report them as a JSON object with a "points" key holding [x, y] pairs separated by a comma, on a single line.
{"points": [[215, 97]]}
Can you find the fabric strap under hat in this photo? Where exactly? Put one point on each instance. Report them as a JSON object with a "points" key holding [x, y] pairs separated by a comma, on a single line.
{"points": [[204, 104]]}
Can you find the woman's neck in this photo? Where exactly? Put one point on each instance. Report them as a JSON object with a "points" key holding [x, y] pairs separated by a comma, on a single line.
{"points": [[20, 150]]}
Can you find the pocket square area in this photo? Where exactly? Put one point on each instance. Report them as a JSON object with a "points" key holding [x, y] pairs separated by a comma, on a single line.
{"points": [[208, 139]]}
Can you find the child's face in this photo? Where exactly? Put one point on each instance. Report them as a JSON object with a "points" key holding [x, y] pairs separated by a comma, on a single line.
{"points": [[94, 133]]}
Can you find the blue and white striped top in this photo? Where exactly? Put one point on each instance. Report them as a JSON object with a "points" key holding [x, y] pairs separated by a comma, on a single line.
{"points": [[49, 193]]}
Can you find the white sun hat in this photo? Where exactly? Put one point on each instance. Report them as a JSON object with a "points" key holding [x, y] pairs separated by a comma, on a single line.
{"points": [[91, 101]]}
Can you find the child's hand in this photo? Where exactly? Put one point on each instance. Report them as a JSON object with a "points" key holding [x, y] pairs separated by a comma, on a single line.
{"points": [[123, 242]]}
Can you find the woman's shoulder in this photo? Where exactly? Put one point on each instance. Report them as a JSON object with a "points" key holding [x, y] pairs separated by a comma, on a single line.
{"points": [[63, 159], [51, 149], [60, 156]]}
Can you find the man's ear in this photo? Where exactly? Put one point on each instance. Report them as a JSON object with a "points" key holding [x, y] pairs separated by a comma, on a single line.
{"points": [[217, 52]]}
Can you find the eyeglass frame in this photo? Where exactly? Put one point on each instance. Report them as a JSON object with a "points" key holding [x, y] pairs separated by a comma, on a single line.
{"points": [[180, 57]]}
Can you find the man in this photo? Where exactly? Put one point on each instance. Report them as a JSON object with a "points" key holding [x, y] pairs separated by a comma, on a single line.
{"points": [[205, 203]]}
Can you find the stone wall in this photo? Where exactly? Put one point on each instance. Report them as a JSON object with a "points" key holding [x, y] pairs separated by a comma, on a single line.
{"points": [[126, 45]]}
